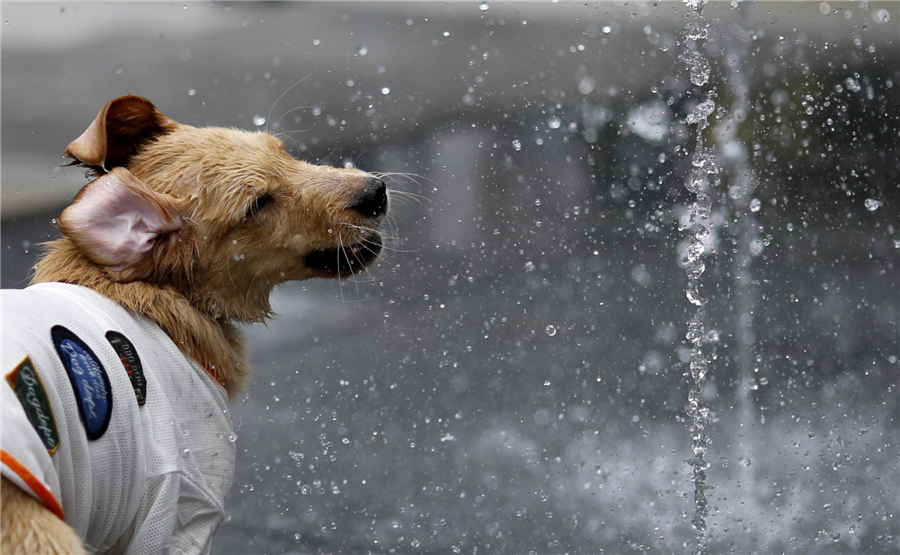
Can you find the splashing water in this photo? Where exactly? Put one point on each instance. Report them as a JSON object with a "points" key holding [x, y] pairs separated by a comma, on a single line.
{"points": [[703, 177], [696, 5], [698, 67]]}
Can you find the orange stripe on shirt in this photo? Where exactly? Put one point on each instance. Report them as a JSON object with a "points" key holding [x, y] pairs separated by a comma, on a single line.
{"points": [[213, 373], [44, 494]]}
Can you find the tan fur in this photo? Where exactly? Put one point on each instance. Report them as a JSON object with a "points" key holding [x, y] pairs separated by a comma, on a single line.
{"points": [[28, 528], [223, 269]]}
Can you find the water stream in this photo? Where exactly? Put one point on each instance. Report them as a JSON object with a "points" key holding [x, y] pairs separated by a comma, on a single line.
{"points": [[704, 177]]}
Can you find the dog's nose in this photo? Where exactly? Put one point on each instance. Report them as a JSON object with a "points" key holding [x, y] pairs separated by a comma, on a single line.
{"points": [[372, 201]]}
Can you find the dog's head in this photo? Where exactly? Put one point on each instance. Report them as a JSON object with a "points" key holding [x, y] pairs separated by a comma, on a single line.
{"points": [[221, 214]]}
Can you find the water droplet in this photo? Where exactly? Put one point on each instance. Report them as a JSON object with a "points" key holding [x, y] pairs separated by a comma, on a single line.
{"points": [[852, 84], [483, 6], [259, 121], [554, 122], [446, 33], [755, 205], [231, 437], [551, 330], [192, 92], [872, 204], [607, 29], [529, 266], [586, 85], [756, 246], [361, 50], [881, 16], [385, 91], [517, 145], [119, 71]]}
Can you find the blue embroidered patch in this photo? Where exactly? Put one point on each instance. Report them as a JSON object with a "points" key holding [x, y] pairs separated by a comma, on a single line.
{"points": [[90, 383]]}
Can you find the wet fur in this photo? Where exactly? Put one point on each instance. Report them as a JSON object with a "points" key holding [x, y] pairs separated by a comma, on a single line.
{"points": [[216, 273]]}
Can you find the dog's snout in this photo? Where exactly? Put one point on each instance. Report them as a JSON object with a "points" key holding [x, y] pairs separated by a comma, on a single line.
{"points": [[372, 201]]}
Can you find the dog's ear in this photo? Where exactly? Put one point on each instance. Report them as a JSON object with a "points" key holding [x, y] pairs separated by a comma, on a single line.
{"points": [[134, 232], [121, 128]]}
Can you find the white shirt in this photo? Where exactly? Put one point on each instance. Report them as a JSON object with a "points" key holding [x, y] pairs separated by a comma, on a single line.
{"points": [[128, 477]]}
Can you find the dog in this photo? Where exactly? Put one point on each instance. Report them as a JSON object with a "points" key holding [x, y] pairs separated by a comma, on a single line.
{"points": [[120, 357]]}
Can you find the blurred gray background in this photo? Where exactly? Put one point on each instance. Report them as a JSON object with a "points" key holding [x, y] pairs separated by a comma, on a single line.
{"points": [[510, 379]]}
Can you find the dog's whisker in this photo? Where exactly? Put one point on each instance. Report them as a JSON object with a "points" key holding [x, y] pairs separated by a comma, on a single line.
{"points": [[413, 177], [283, 136], [384, 236], [356, 162], [396, 191], [399, 196], [408, 194], [388, 262], [288, 112], [269, 115], [228, 270], [407, 201], [369, 229], [322, 160], [355, 226], [386, 249], [343, 251], [370, 278], [250, 287], [392, 224], [288, 133], [338, 266]]}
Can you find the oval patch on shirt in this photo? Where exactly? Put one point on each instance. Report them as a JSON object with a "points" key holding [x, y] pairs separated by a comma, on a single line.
{"points": [[90, 383], [132, 363], [30, 390]]}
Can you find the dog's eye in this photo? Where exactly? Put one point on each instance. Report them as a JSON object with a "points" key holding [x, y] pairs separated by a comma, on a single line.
{"points": [[259, 205]]}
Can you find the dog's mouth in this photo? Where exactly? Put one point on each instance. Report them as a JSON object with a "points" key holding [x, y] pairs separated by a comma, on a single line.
{"points": [[346, 260]]}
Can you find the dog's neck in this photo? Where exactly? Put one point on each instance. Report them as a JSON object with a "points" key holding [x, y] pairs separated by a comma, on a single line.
{"points": [[215, 344]]}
